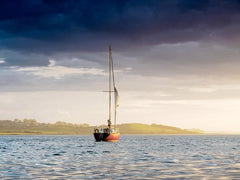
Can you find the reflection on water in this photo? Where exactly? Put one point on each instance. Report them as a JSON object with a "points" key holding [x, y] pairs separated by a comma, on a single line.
{"points": [[134, 157]]}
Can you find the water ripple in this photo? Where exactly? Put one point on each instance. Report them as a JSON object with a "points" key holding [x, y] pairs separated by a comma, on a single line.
{"points": [[133, 157]]}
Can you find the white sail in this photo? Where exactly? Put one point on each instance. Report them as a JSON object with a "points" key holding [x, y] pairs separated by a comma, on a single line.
{"points": [[116, 97]]}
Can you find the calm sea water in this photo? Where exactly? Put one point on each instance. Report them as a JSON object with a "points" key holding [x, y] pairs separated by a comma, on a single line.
{"points": [[133, 157]]}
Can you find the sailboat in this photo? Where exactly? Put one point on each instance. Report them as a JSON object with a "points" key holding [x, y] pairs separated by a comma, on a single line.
{"points": [[110, 133]]}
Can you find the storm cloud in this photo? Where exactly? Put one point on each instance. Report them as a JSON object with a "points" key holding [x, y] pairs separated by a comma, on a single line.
{"points": [[152, 38], [49, 27]]}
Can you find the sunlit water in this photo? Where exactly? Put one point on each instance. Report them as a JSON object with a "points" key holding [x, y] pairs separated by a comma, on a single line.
{"points": [[133, 157]]}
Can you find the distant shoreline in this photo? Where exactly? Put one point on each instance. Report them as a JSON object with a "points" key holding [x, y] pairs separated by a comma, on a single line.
{"points": [[32, 127]]}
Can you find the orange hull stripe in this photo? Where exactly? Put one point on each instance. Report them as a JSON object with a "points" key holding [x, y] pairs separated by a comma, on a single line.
{"points": [[113, 137]]}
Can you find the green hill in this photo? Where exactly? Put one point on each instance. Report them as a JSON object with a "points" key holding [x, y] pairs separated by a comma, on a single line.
{"points": [[31, 126], [136, 128]]}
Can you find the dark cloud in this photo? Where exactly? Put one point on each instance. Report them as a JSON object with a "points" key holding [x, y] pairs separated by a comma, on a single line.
{"points": [[155, 38], [48, 27]]}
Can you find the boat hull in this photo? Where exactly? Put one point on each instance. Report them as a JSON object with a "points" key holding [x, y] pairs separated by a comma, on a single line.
{"points": [[106, 136]]}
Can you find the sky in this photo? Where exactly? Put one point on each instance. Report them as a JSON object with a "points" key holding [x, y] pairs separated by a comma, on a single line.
{"points": [[176, 61]]}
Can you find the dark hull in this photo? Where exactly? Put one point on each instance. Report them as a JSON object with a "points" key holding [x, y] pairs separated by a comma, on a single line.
{"points": [[106, 136]]}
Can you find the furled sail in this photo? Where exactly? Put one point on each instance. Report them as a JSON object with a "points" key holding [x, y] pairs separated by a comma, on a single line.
{"points": [[116, 97]]}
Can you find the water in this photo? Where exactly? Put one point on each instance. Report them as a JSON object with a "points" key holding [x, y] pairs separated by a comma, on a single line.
{"points": [[133, 157]]}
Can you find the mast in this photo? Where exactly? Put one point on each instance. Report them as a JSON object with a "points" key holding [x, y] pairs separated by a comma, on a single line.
{"points": [[110, 84], [114, 86]]}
